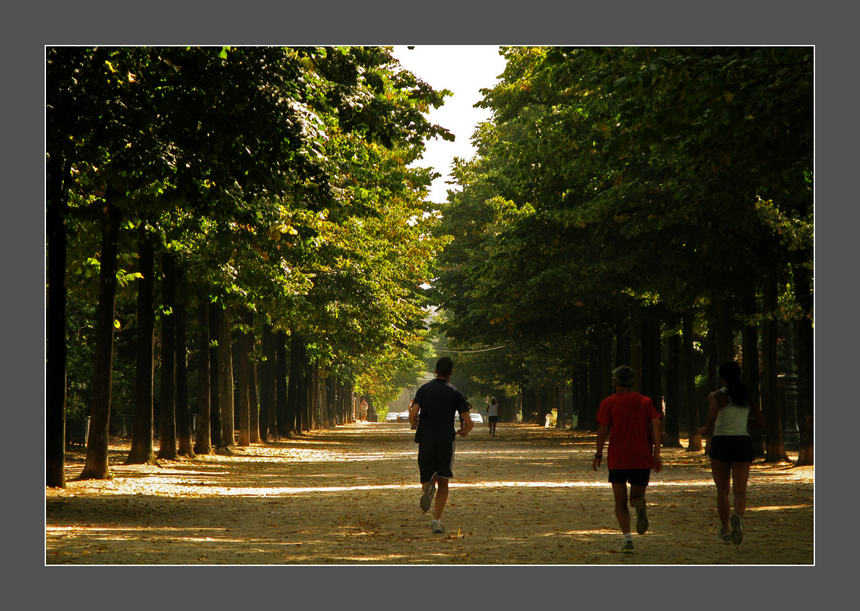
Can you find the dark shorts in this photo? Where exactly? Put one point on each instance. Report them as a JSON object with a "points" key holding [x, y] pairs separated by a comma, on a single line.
{"points": [[731, 448], [637, 477], [435, 456], [494, 418]]}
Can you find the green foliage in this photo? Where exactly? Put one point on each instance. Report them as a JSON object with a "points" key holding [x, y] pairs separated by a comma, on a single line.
{"points": [[277, 177], [614, 179]]}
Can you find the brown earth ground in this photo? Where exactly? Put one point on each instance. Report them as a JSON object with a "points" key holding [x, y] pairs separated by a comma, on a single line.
{"points": [[350, 496]]}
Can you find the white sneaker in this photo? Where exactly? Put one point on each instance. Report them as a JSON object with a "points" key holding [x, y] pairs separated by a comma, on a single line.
{"points": [[437, 527]]}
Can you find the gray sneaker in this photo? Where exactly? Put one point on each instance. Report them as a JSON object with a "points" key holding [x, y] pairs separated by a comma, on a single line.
{"points": [[627, 547], [437, 527], [641, 518], [429, 493], [737, 529]]}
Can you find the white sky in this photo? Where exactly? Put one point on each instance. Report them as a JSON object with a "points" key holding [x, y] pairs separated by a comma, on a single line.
{"points": [[464, 70]]}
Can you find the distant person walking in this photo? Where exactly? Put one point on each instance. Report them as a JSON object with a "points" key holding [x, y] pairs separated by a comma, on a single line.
{"points": [[731, 449], [635, 429], [493, 415], [432, 413]]}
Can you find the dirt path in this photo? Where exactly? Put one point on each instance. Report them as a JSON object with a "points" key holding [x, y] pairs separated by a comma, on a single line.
{"points": [[350, 496]]}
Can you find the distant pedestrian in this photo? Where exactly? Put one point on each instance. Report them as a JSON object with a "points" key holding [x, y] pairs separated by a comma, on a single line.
{"points": [[635, 429], [493, 415], [432, 413], [731, 448]]}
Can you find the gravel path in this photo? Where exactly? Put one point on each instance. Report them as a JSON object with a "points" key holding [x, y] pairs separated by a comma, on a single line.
{"points": [[350, 496]]}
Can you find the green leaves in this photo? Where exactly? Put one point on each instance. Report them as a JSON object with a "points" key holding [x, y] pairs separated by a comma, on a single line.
{"points": [[611, 177]]}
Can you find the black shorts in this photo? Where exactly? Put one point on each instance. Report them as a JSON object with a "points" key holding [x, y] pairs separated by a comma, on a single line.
{"points": [[731, 448], [493, 418], [435, 456], [637, 477]]}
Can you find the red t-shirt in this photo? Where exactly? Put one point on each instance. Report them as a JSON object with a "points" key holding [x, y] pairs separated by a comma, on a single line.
{"points": [[628, 415]]}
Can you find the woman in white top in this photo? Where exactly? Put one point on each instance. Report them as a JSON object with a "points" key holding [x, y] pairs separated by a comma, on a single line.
{"points": [[731, 448], [493, 415]]}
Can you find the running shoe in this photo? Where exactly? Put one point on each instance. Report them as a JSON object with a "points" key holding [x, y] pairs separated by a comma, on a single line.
{"points": [[724, 536], [641, 517], [437, 527], [627, 547], [429, 493], [737, 529]]}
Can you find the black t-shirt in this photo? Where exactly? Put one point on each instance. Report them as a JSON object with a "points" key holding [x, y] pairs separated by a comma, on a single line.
{"points": [[439, 401]]}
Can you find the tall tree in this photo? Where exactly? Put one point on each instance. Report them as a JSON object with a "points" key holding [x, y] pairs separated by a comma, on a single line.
{"points": [[167, 404], [97, 465], [142, 450]]}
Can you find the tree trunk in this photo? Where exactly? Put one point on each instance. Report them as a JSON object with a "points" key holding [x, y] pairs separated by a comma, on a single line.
{"points": [[203, 440], [805, 339], [671, 424], [581, 394], [750, 368], [96, 466], [285, 401], [623, 354], [244, 385], [142, 449], [167, 430], [688, 383], [596, 374], [724, 329], [651, 360], [268, 385], [225, 379], [254, 401], [215, 323], [297, 395], [183, 410], [55, 347], [775, 449]]}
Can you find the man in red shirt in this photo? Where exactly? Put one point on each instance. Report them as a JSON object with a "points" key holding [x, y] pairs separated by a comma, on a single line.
{"points": [[635, 429]]}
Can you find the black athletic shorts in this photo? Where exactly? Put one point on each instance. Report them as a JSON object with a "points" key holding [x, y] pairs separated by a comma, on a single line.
{"points": [[435, 456], [731, 448], [637, 477], [493, 418]]}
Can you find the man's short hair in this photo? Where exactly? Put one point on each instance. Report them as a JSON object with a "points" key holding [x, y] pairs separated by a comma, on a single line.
{"points": [[623, 376], [444, 366]]}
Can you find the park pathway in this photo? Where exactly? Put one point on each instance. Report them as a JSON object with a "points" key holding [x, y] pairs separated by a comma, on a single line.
{"points": [[350, 496]]}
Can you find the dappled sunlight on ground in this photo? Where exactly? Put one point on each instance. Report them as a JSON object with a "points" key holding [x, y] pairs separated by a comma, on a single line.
{"points": [[350, 496]]}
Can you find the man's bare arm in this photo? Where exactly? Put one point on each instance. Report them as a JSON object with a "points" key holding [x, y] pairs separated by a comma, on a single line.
{"points": [[413, 415], [467, 424]]}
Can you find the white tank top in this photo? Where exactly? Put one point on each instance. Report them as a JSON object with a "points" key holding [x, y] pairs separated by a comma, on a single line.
{"points": [[732, 419]]}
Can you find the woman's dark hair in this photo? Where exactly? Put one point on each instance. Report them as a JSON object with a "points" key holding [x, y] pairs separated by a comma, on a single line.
{"points": [[731, 373]]}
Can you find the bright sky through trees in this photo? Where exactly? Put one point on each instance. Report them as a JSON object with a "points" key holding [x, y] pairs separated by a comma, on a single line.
{"points": [[464, 70]]}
